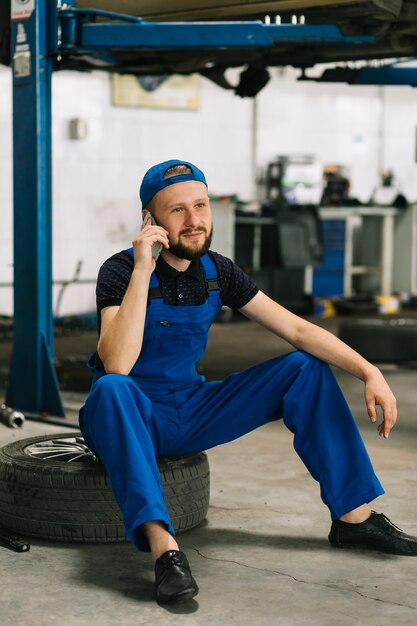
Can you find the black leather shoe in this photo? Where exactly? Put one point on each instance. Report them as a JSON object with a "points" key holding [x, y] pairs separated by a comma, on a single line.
{"points": [[375, 533], [173, 578]]}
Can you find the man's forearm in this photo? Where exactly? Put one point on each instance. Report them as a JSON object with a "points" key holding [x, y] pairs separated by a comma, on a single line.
{"points": [[121, 338], [306, 336], [329, 348]]}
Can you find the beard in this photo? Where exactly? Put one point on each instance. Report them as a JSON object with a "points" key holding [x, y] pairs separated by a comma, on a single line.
{"points": [[189, 252]]}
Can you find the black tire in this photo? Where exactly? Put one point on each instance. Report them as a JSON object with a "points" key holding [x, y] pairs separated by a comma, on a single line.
{"points": [[382, 340], [72, 501]]}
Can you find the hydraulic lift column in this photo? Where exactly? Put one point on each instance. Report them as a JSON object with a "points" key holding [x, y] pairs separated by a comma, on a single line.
{"points": [[32, 382]]}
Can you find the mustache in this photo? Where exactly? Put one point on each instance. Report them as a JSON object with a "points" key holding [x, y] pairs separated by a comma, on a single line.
{"points": [[188, 231]]}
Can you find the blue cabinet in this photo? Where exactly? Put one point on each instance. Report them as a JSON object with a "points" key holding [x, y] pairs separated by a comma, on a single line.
{"points": [[328, 277]]}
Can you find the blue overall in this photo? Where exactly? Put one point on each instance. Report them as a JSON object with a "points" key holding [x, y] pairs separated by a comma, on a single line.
{"points": [[165, 408]]}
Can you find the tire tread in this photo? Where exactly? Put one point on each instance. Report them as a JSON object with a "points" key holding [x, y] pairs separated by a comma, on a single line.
{"points": [[54, 500]]}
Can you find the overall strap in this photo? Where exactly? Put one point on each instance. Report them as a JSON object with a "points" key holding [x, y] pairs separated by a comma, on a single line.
{"points": [[210, 272]]}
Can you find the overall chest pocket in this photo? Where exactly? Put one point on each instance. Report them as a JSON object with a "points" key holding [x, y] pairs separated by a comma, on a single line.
{"points": [[170, 348], [169, 328]]}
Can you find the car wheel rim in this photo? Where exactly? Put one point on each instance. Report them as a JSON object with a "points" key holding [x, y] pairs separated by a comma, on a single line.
{"points": [[67, 450]]}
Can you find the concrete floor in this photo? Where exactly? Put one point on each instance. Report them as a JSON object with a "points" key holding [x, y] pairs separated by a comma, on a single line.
{"points": [[262, 556]]}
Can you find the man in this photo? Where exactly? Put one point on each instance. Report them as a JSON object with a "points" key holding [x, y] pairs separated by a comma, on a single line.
{"points": [[147, 399]]}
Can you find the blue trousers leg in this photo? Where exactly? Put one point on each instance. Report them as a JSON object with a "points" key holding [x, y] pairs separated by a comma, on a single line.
{"points": [[303, 391], [114, 422]]}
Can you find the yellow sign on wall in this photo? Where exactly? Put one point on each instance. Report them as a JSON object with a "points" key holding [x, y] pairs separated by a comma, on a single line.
{"points": [[156, 92]]}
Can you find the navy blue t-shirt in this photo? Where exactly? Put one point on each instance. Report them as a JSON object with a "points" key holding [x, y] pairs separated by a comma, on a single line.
{"points": [[177, 288]]}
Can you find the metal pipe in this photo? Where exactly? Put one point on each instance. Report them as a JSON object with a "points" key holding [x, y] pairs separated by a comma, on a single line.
{"points": [[10, 417]]}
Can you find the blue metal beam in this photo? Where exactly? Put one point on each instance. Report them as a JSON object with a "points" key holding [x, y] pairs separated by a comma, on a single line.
{"points": [[385, 75], [79, 31], [389, 75], [165, 36], [32, 384], [313, 34]]}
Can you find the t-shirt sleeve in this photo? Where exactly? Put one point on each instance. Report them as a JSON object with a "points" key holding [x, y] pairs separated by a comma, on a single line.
{"points": [[113, 280], [237, 288]]}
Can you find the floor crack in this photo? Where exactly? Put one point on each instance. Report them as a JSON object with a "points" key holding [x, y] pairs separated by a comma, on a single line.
{"points": [[232, 508], [305, 582], [242, 508]]}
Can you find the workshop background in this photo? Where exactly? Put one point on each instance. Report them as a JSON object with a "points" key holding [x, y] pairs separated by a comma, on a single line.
{"points": [[314, 193], [96, 177]]}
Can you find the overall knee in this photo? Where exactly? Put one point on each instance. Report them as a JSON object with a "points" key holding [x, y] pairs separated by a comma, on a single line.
{"points": [[116, 399], [110, 390], [300, 360], [111, 384]]}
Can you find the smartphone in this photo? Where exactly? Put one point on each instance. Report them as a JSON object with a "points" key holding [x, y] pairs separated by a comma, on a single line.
{"points": [[148, 218]]}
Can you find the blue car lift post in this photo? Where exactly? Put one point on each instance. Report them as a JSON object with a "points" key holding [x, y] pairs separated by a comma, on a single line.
{"points": [[32, 386]]}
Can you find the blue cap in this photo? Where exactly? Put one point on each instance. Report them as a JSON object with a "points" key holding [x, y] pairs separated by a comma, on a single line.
{"points": [[154, 180]]}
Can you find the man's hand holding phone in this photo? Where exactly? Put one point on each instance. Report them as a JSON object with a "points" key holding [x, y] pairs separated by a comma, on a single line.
{"points": [[151, 237]]}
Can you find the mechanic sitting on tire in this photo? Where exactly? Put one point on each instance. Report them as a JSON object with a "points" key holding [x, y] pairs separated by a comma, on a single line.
{"points": [[147, 399]]}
